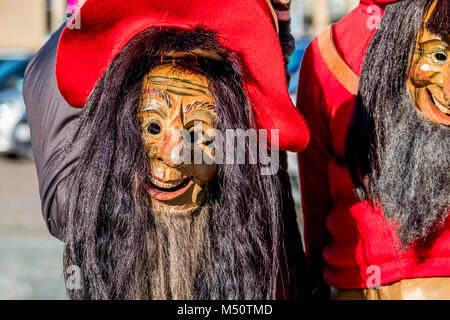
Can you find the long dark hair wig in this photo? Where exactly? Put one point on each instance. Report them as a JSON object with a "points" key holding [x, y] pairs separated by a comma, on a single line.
{"points": [[391, 150], [109, 216]]}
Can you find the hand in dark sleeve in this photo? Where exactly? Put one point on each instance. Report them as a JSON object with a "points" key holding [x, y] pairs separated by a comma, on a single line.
{"points": [[51, 122]]}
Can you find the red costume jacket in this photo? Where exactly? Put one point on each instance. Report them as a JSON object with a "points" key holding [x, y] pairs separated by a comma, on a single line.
{"points": [[344, 237]]}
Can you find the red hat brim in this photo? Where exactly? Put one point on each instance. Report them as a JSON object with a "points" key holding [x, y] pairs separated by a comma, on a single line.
{"points": [[244, 27]]}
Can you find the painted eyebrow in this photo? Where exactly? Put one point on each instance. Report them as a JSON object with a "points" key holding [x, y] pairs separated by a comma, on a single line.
{"points": [[198, 105], [158, 93], [157, 110]]}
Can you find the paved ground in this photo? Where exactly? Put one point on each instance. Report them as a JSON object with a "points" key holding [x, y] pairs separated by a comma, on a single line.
{"points": [[30, 259]]}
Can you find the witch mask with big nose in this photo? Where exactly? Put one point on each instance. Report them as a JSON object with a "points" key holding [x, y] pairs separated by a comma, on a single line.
{"points": [[176, 113]]}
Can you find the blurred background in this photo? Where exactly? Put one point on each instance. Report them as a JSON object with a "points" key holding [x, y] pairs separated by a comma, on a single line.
{"points": [[30, 259]]}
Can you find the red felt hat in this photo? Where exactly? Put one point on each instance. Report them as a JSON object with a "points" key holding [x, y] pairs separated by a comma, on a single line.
{"points": [[244, 27]]}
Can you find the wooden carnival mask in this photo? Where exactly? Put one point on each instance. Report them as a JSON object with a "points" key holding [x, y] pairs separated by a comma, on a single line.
{"points": [[429, 77], [177, 110]]}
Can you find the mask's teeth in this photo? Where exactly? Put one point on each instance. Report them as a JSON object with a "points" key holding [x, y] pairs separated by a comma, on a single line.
{"points": [[169, 186]]}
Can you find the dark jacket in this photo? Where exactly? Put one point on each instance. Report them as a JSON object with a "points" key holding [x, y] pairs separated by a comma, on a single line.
{"points": [[51, 122]]}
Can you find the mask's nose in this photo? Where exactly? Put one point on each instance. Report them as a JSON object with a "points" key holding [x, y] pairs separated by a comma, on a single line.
{"points": [[171, 149]]}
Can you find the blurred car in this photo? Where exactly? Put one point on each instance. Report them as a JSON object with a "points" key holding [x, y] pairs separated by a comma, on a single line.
{"points": [[14, 130]]}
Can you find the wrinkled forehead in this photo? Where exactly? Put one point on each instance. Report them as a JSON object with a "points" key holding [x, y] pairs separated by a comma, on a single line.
{"points": [[176, 80]]}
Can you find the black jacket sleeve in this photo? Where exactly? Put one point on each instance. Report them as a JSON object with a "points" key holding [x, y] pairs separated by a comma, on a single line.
{"points": [[51, 121]]}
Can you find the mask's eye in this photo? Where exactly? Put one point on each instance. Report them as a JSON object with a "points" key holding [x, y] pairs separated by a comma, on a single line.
{"points": [[193, 137], [440, 57], [154, 128], [197, 135], [207, 139]]}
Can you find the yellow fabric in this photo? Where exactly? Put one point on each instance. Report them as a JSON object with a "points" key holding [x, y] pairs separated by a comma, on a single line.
{"points": [[338, 67], [406, 289]]}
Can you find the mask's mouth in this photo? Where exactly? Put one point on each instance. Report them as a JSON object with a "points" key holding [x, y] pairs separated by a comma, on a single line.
{"points": [[441, 106], [168, 190], [437, 110]]}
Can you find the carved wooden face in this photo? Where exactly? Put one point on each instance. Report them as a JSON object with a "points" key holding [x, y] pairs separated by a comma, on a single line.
{"points": [[429, 78], [177, 110]]}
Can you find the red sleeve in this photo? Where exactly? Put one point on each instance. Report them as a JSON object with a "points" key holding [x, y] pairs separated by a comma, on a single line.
{"points": [[313, 161]]}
